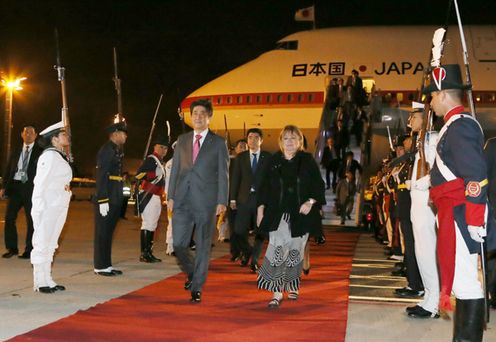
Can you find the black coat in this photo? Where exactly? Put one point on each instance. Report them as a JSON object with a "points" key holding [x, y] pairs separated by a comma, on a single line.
{"points": [[242, 177], [12, 167], [309, 185]]}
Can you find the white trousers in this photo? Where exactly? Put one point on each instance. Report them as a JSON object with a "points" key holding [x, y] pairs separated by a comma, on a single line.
{"points": [[47, 228], [424, 233], [151, 214], [466, 283]]}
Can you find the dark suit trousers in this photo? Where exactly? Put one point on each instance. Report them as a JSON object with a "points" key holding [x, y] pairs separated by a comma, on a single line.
{"points": [[410, 260], [19, 197], [104, 230], [246, 219], [231, 214], [184, 219], [331, 168]]}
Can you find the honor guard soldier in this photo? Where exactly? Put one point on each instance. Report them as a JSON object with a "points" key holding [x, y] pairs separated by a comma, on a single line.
{"points": [[51, 198], [401, 173], [459, 191], [424, 221], [152, 175], [109, 195]]}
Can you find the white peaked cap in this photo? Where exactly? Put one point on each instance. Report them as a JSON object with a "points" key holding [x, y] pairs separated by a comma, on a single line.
{"points": [[416, 106], [55, 127]]}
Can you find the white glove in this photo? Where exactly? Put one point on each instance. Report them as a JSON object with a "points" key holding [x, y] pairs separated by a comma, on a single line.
{"points": [[104, 209], [408, 184], [477, 233]]}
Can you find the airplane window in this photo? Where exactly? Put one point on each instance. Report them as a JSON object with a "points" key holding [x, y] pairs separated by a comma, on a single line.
{"points": [[287, 45], [219, 100], [301, 98], [248, 99], [290, 98], [229, 99], [239, 99], [279, 98], [259, 98], [269, 98], [310, 98]]}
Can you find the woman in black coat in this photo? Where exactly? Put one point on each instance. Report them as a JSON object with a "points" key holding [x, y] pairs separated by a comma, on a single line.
{"points": [[290, 195]]}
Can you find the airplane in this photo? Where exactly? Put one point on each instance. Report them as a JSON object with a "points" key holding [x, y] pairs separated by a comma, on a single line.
{"points": [[287, 85]]}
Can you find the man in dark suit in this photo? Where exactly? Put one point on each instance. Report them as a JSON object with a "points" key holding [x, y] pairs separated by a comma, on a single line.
{"points": [[18, 186], [350, 164], [330, 161], [244, 183], [198, 192], [341, 137]]}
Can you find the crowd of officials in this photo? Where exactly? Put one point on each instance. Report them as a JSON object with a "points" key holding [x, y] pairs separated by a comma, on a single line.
{"points": [[277, 197]]}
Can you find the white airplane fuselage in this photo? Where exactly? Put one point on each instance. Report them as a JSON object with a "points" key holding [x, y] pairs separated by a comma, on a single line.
{"points": [[287, 85]]}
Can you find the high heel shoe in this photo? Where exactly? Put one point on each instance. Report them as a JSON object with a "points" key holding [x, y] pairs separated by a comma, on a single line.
{"points": [[306, 271]]}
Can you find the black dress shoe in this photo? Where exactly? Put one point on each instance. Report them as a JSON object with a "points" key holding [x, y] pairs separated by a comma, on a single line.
{"points": [[254, 268], [412, 308], [106, 273], [407, 292], [116, 272], [25, 255], [58, 288], [45, 289], [306, 271], [320, 240], [244, 262], [187, 284], [195, 297], [398, 273], [10, 253], [420, 312], [234, 258]]}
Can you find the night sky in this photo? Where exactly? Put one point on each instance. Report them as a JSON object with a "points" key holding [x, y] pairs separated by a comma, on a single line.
{"points": [[170, 47]]}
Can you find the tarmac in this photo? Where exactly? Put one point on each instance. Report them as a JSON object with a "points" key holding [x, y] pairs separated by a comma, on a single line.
{"points": [[23, 310]]}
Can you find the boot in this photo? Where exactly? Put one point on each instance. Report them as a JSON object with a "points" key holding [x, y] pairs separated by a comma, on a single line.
{"points": [[39, 279], [469, 320], [145, 253], [149, 240]]}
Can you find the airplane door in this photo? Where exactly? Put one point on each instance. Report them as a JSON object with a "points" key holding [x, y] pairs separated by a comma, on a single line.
{"points": [[484, 43]]}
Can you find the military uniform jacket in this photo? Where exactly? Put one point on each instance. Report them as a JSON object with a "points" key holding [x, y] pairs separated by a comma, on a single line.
{"points": [[52, 181], [402, 191], [152, 176], [108, 173], [460, 149]]}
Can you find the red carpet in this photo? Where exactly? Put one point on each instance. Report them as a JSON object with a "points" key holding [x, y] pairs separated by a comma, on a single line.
{"points": [[232, 308]]}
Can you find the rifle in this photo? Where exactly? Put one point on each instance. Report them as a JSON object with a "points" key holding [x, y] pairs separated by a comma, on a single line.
{"points": [[65, 110], [435, 60], [117, 83], [153, 127], [228, 136], [472, 110]]}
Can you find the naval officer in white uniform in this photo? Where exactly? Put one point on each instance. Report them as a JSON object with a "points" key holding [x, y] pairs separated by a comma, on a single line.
{"points": [[51, 197]]}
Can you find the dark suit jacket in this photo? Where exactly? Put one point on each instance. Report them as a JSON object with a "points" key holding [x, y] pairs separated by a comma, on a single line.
{"points": [[327, 157], [243, 177], [11, 169], [206, 181], [354, 167], [341, 137]]}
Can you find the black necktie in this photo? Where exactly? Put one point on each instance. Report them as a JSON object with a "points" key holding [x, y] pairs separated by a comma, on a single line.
{"points": [[254, 163]]}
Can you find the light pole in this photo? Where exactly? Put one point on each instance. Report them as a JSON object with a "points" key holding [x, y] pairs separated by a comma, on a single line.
{"points": [[10, 85]]}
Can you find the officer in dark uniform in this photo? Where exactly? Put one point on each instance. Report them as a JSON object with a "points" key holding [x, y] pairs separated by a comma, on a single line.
{"points": [[109, 196], [459, 191]]}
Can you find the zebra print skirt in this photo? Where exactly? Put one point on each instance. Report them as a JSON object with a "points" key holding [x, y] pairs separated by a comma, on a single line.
{"points": [[283, 261]]}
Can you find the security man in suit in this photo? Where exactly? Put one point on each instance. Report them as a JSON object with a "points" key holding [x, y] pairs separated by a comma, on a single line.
{"points": [[152, 175], [18, 186], [108, 199], [459, 191], [198, 192], [246, 178]]}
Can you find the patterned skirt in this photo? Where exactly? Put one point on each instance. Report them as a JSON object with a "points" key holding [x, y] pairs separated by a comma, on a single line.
{"points": [[283, 262]]}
